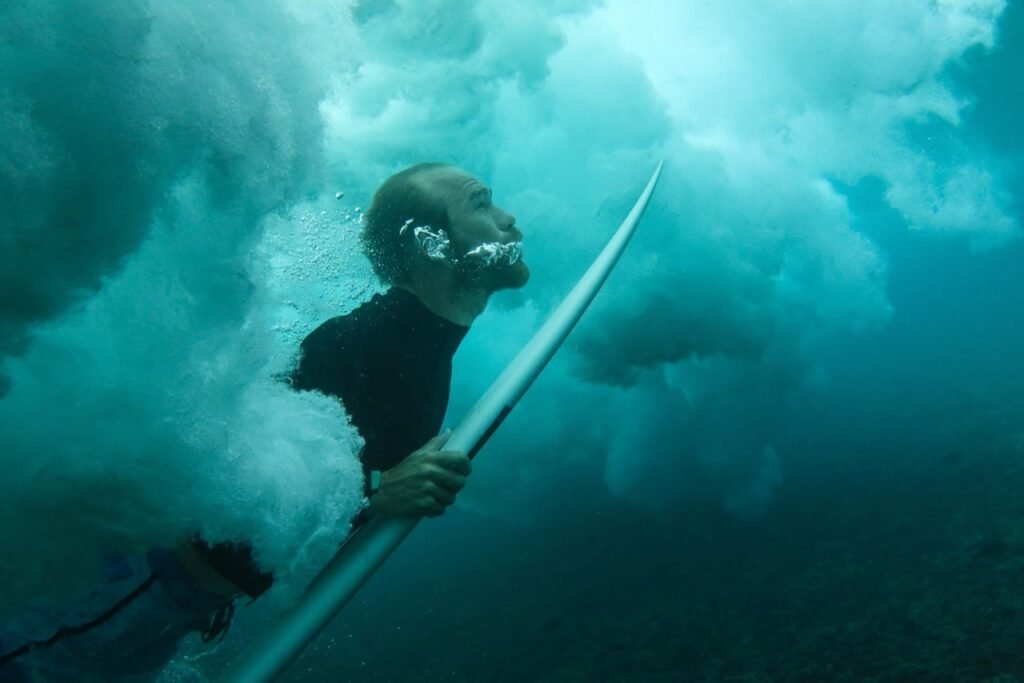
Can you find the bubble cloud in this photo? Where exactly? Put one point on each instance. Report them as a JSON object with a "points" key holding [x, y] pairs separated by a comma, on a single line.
{"points": [[142, 147], [180, 183]]}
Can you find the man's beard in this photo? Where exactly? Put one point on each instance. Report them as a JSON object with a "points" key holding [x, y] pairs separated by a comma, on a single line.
{"points": [[494, 266], [494, 253]]}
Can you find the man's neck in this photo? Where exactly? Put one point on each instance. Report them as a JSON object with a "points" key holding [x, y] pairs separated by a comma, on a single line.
{"points": [[444, 298]]}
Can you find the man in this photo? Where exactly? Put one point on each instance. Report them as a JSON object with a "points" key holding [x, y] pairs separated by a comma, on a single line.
{"points": [[434, 235], [431, 233]]}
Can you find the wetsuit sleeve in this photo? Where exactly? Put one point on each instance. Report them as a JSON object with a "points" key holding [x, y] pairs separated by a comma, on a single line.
{"points": [[234, 561]]}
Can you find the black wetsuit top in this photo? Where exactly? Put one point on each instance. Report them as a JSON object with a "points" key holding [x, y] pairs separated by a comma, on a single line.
{"points": [[390, 363]]}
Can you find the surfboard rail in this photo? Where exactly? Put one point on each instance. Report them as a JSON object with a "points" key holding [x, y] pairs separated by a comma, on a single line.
{"points": [[370, 546]]}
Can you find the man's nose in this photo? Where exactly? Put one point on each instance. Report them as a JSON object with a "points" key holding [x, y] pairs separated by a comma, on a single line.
{"points": [[506, 221]]}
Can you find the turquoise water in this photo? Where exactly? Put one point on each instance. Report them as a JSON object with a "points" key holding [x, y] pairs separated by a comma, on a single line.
{"points": [[786, 444]]}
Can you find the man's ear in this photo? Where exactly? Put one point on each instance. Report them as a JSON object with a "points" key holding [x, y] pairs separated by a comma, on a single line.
{"points": [[434, 244]]}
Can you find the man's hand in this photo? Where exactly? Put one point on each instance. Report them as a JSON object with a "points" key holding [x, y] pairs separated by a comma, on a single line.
{"points": [[424, 483]]}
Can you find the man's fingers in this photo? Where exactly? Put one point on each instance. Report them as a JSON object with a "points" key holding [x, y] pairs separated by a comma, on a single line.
{"points": [[439, 491], [437, 442], [432, 509], [456, 461], [448, 479], [442, 495]]}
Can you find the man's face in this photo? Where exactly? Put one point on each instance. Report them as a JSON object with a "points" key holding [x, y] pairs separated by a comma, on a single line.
{"points": [[485, 242]]}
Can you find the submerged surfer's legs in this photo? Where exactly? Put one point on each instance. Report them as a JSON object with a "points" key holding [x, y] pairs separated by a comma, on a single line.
{"points": [[130, 626]]}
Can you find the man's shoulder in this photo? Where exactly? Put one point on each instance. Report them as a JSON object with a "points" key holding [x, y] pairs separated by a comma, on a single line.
{"points": [[332, 330], [344, 330], [332, 342], [340, 347]]}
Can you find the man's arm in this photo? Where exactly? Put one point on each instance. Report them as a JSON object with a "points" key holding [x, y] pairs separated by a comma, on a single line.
{"points": [[206, 577]]}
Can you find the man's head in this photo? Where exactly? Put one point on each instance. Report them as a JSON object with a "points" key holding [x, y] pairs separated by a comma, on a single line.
{"points": [[433, 220]]}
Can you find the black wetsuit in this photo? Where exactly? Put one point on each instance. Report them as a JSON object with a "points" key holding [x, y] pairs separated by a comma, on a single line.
{"points": [[390, 363]]}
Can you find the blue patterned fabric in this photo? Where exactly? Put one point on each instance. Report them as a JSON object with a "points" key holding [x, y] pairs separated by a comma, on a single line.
{"points": [[131, 644]]}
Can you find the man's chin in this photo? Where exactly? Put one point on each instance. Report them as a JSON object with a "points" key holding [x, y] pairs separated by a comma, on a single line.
{"points": [[518, 275], [497, 278]]}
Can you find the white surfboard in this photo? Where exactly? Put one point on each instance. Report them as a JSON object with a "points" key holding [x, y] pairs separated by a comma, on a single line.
{"points": [[374, 542]]}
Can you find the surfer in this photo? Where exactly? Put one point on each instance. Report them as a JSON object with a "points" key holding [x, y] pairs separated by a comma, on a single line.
{"points": [[435, 237], [365, 552]]}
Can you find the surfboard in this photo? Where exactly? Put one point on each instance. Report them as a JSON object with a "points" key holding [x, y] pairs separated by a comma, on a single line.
{"points": [[368, 548]]}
